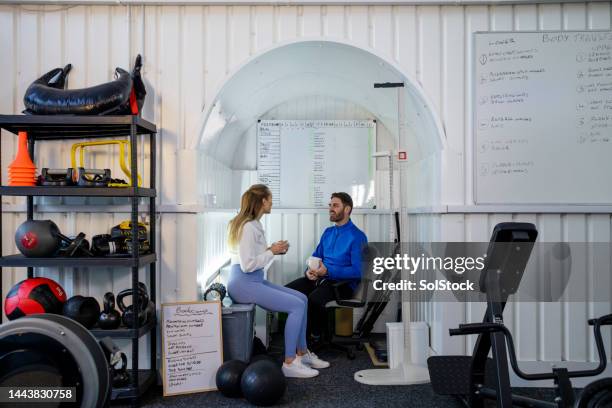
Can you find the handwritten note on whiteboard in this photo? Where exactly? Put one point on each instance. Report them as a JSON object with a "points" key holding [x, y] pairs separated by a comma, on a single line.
{"points": [[304, 161], [192, 346], [542, 117]]}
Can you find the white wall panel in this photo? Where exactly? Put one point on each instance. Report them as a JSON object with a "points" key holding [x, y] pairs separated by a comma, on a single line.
{"points": [[191, 78], [8, 46], [453, 89], [430, 53], [311, 19], [288, 22], [476, 19], [359, 27], [334, 23], [239, 36], [382, 22]]}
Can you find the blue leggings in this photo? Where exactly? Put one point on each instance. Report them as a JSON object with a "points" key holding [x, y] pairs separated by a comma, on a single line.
{"points": [[253, 288]]}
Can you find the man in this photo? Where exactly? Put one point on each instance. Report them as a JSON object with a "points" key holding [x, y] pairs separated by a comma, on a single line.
{"points": [[340, 250]]}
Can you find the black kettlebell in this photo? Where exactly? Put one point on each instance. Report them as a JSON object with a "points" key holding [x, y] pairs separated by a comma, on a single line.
{"points": [[109, 318], [84, 310], [119, 373], [150, 309], [129, 315]]}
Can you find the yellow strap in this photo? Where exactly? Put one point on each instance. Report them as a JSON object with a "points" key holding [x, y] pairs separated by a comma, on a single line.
{"points": [[122, 162]]}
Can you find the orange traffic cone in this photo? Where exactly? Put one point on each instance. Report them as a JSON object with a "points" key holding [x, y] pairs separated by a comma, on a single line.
{"points": [[22, 171]]}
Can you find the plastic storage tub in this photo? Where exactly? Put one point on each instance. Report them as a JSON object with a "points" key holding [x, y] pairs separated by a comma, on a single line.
{"points": [[237, 326]]}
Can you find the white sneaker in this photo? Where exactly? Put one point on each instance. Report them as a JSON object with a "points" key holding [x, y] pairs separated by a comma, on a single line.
{"points": [[312, 360], [298, 370]]}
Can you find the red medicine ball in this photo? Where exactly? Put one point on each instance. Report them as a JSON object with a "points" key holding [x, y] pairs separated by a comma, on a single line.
{"points": [[36, 295]]}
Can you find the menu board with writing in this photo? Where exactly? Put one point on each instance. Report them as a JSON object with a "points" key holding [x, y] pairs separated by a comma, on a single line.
{"points": [[192, 346]]}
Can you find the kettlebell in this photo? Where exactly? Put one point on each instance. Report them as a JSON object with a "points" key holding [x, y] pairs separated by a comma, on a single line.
{"points": [[150, 309], [84, 310], [129, 315], [109, 318], [119, 373]]}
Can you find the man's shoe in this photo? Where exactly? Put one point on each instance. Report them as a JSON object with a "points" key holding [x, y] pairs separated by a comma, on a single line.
{"points": [[298, 370], [313, 361], [315, 343]]}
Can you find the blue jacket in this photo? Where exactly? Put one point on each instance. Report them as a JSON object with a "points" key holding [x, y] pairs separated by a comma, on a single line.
{"points": [[340, 249]]}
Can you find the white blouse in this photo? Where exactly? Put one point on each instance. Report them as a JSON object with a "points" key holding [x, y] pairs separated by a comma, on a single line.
{"points": [[252, 253]]}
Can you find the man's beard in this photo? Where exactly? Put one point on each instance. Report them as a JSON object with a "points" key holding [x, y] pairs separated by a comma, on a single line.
{"points": [[333, 217]]}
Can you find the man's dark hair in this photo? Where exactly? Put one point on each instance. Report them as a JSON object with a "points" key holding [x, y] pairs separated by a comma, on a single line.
{"points": [[345, 198]]}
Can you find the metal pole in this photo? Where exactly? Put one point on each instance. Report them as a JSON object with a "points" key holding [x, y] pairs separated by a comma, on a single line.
{"points": [[30, 199], [152, 241], [134, 219]]}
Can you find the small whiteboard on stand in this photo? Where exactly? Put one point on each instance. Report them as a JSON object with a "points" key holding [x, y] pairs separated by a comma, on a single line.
{"points": [[192, 346]]}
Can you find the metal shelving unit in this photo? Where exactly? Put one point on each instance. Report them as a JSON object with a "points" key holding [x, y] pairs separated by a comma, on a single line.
{"points": [[62, 127]]}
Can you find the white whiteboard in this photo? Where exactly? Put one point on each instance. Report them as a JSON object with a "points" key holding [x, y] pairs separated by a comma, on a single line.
{"points": [[543, 117], [305, 161], [192, 346]]}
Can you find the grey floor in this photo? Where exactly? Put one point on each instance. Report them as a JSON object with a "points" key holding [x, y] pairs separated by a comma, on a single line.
{"points": [[334, 387]]}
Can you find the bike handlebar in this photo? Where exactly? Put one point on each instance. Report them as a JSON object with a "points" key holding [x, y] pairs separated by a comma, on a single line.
{"points": [[482, 328], [603, 320]]}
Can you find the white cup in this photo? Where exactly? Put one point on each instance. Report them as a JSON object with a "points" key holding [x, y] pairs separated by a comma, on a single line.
{"points": [[313, 262]]}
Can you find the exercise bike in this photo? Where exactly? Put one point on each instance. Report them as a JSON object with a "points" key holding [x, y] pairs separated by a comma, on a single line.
{"points": [[478, 379]]}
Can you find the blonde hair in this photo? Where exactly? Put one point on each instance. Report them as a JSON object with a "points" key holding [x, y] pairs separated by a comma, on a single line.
{"points": [[251, 205]]}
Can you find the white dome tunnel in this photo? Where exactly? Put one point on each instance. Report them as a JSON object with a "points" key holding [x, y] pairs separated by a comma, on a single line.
{"points": [[313, 79], [301, 76]]}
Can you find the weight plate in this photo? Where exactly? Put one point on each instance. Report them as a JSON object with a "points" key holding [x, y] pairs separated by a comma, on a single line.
{"points": [[76, 341]]}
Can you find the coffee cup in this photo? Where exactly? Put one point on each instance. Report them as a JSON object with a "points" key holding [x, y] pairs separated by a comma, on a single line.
{"points": [[313, 262]]}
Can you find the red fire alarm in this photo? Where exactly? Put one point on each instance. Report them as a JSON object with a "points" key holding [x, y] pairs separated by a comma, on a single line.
{"points": [[402, 156]]}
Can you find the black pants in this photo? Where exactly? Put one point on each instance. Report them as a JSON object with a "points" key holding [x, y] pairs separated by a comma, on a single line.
{"points": [[319, 293]]}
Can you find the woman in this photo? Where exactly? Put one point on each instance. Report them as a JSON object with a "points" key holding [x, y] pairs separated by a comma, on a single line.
{"points": [[250, 254]]}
